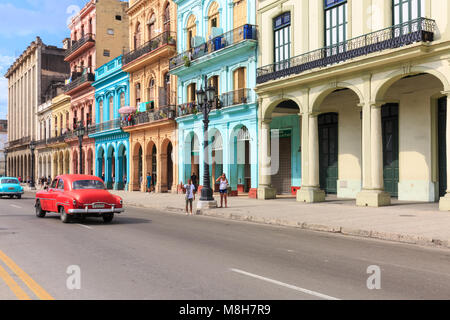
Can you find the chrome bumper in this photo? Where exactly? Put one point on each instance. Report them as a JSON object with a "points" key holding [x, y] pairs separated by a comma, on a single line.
{"points": [[11, 192], [84, 211]]}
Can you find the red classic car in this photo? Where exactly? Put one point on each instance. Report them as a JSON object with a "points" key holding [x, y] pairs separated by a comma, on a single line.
{"points": [[78, 195]]}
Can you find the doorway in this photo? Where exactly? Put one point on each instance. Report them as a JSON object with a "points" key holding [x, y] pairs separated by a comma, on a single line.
{"points": [[328, 152]]}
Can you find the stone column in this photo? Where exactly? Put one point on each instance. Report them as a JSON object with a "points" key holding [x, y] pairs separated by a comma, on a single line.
{"points": [[444, 202], [373, 194], [310, 191], [118, 182], [265, 190]]}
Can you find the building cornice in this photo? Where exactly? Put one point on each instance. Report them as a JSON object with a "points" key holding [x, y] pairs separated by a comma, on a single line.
{"points": [[26, 53]]}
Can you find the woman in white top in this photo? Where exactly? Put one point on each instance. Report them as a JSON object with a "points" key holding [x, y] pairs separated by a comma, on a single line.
{"points": [[190, 195], [223, 189]]}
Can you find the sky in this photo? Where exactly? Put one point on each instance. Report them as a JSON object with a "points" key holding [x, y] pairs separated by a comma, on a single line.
{"points": [[21, 21]]}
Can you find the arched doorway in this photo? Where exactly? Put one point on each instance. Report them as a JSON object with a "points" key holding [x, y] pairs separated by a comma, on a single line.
{"points": [[138, 167], [111, 168], [241, 159], [191, 157], [216, 167], [90, 158], [328, 152], [100, 172], [166, 178], [67, 162], [75, 162], [442, 145], [285, 155], [122, 165]]}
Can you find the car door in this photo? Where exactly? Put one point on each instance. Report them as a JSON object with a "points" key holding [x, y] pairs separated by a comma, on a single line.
{"points": [[51, 196], [58, 193]]}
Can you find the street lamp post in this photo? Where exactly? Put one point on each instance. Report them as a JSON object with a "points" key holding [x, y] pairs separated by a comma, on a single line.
{"points": [[32, 148], [80, 134], [205, 101], [6, 162]]}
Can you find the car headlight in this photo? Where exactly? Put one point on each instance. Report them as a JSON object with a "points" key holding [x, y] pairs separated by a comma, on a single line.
{"points": [[74, 202], [121, 202]]}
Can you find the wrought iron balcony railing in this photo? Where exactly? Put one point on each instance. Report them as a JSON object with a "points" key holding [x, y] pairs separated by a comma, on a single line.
{"points": [[155, 43], [232, 98], [105, 126], [245, 32], [418, 30], [78, 44], [59, 139], [165, 113], [87, 77]]}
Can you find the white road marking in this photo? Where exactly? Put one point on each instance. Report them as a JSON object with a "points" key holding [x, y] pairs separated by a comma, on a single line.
{"points": [[13, 205], [82, 225], [286, 285]]}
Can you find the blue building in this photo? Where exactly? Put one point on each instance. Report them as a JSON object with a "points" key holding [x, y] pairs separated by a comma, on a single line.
{"points": [[218, 40], [112, 150]]}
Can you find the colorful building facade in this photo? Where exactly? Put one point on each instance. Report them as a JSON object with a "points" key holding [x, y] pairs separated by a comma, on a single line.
{"points": [[153, 139], [98, 33], [218, 40], [112, 150], [371, 90]]}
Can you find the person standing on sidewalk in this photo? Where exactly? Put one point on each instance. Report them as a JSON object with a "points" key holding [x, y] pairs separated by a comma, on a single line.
{"points": [[189, 189], [149, 182], [223, 189]]}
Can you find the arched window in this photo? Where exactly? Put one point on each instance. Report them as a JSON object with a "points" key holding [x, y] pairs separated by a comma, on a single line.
{"points": [[122, 99], [166, 18], [111, 107], [213, 18], [191, 30], [151, 26], [151, 90], [100, 111], [138, 94], [137, 36]]}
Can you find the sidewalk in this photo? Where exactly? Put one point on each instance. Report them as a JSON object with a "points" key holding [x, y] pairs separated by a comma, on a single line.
{"points": [[414, 223]]}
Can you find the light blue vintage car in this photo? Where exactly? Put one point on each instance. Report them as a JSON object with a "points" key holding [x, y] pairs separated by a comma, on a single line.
{"points": [[10, 187]]}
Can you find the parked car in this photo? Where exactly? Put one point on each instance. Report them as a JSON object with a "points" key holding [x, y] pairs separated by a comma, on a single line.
{"points": [[77, 195], [10, 187]]}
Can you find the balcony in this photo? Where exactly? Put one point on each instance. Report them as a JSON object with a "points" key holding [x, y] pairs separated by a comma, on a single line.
{"points": [[228, 99], [76, 47], [165, 113], [104, 126], [418, 30], [132, 61], [243, 33], [18, 142], [58, 139], [79, 83]]}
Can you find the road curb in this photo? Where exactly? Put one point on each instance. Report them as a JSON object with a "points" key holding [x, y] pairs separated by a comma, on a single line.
{"points": [[372, 234]]}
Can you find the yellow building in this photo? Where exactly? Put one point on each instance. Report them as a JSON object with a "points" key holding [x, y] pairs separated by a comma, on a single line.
{"points": [[369, 83], [153, 141]]}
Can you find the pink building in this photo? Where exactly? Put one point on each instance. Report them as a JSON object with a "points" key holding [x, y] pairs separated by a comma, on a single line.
{"points": [[98, 34]]}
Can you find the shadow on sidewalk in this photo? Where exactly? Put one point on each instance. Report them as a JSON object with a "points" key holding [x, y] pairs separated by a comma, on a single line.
{"points": [[92, 221]]}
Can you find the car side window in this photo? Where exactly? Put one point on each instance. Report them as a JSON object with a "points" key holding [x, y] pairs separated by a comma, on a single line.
{"points": [[60, 184], [53, 185]]}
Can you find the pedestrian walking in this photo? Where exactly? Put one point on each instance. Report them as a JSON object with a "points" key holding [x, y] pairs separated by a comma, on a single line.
{"points": [[190, 195], [149, 182], [223, 189]]}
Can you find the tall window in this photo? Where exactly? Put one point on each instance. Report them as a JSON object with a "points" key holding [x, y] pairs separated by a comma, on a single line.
{"points": [[213, 17], [239, 13], [100, 111], [137, 36], [111, 108], [191, 90], [151, 90], [122, 100], [166, 19], [282, 39], [191, 30], [335, 24], [407, 10], [151, 27], [138, 94]]}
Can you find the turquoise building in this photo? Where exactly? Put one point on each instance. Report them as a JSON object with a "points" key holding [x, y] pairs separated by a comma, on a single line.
{"points": [[218, 40], [112, 150]]}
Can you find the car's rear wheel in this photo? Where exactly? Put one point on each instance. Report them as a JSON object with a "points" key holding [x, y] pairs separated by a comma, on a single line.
{"points": [[39, 212], [19, 196], [108, 217], [65, 218]]}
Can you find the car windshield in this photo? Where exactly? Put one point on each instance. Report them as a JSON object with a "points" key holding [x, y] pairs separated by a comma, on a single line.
{"points": [[88, 184], [10, 181]]}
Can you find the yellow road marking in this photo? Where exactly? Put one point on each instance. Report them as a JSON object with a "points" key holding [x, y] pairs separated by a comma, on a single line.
{"points": [[37, 289], [18, 291]]}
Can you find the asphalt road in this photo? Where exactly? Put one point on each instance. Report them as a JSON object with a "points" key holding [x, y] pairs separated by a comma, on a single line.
{"points": [[147, 254]]}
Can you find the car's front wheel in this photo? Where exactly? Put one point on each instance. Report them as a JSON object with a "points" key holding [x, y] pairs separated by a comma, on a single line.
{"points": [[19, 196], [39, 212], [108, 217], [65, 218]]}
